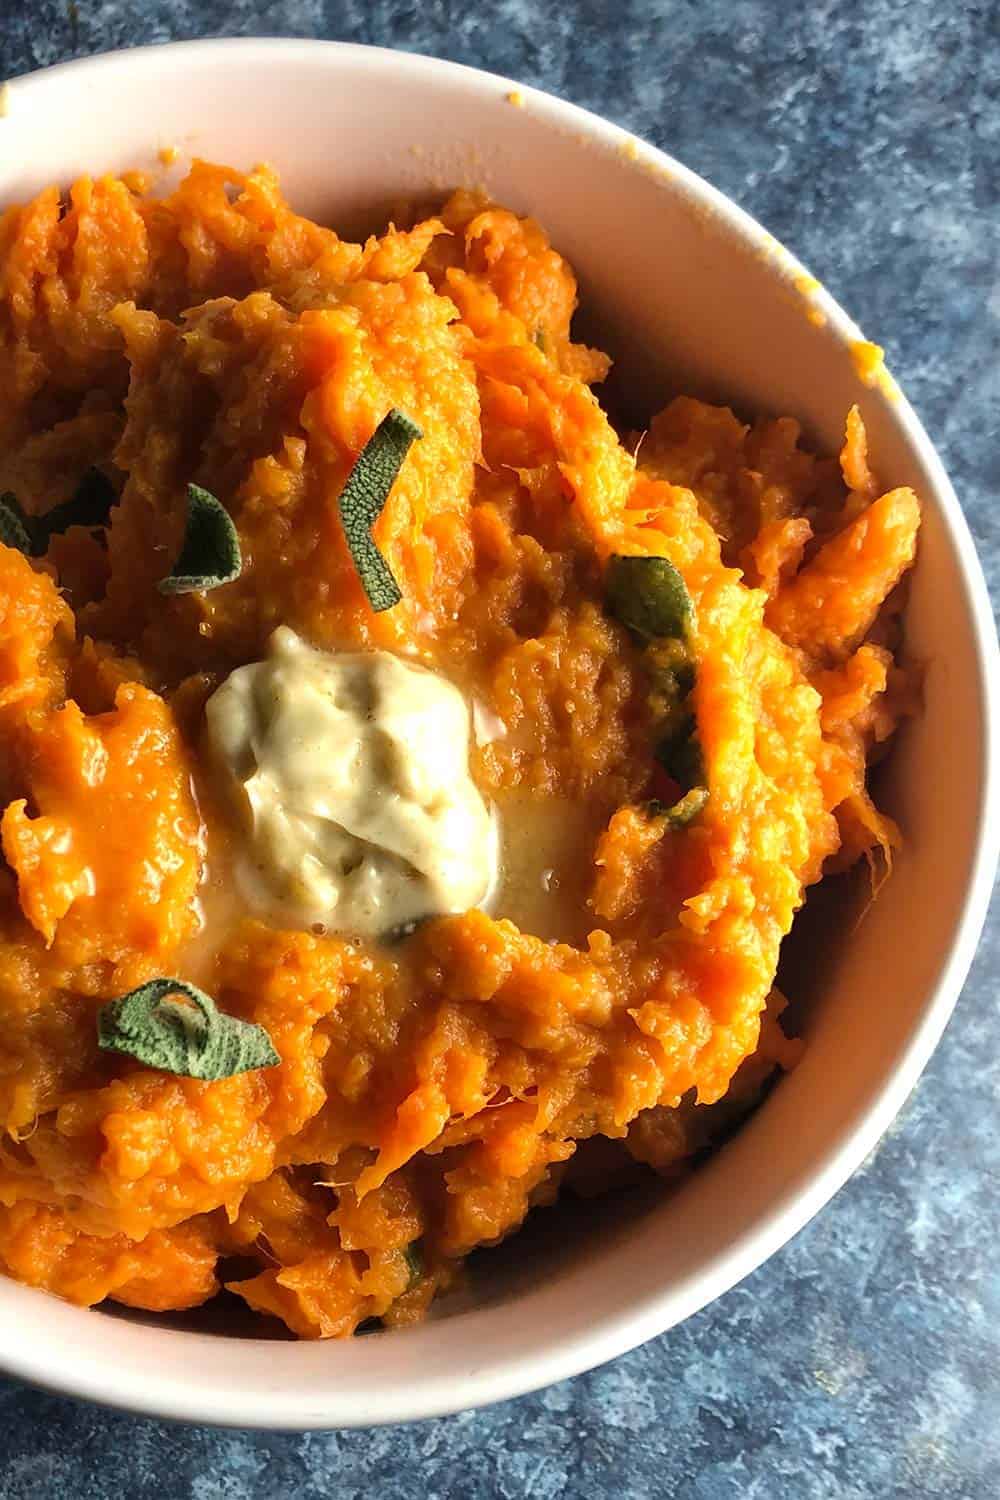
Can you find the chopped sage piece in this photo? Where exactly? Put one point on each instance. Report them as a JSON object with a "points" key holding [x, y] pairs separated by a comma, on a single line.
{"points": [[190, 1037], [210, 553], [684, 811], [680, 754], [363, 498], [15, 527], [415, 1260], [369, 1325], [649, 595], [90, 506]]}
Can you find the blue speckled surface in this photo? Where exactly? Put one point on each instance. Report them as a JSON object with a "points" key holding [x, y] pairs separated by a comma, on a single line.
{"points": [[863, 1362]]}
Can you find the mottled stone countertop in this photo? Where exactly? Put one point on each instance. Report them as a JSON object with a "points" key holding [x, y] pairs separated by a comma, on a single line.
{"points": [[863, 1361]]}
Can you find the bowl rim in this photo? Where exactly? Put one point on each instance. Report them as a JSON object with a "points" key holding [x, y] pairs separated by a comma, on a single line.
{"points": [[45, 1365]]}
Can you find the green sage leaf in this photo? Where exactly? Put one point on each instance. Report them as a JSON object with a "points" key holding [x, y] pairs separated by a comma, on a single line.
{"points": [[90, 506], [682, 812], [210, 553], [363, 499], [649, 596], [189, 1037], [415, 1261], [679, 753], [15, 527]]}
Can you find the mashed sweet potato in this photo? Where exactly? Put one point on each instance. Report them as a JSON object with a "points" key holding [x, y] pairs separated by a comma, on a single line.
{"points": [[429, 1092]]}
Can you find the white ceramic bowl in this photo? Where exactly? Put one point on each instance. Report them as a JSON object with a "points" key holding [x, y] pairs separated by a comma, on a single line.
{"points": [[690, 294]]}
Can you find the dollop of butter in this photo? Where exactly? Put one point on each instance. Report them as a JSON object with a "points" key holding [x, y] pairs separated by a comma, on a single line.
{"points": [[351, 773]]}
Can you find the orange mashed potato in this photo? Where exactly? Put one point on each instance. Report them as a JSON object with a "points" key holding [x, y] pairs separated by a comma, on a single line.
{"points": [[429, 1092]]}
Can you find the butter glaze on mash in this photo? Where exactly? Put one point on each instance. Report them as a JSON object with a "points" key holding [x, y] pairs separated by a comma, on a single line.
{"points": [[433, 1089], [351, 771]]}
